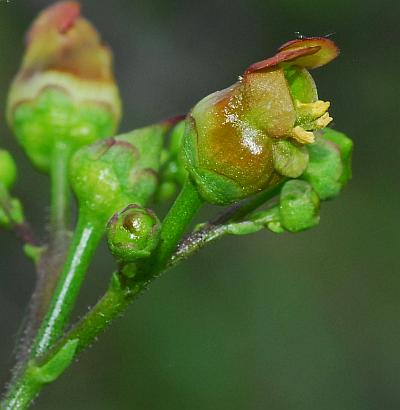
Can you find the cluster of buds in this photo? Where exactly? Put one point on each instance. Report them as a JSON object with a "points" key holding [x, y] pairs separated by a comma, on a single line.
{"points": [[248, 137], [65, 90]]}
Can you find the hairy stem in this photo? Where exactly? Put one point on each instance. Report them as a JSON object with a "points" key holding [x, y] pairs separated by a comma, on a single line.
{"points": [[52, 259], [22, 393], [119, 295], [218, 228], [85, 240], [60, 190]]}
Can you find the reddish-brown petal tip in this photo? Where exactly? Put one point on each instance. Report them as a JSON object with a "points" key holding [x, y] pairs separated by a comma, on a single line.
{"points": [[285, 55], [327, 52], [60, 16]]}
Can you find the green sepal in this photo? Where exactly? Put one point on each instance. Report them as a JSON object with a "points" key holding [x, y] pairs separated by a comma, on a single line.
{"points": [[325, 168], [290, 158], [148, 141], [51, 370], [216, 189], [301, 85], [54, 116], [298, 206], [345, 145]]}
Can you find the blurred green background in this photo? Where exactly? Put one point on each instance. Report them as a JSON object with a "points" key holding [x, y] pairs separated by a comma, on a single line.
{"points": [[306, 321]]}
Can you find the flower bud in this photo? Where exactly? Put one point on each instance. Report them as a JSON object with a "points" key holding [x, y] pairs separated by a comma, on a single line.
{"points": [[329, 167], [65, 89], [133, 233], [8, 169], [246, 138], [110, 174], [173, 172], [298, 206]]}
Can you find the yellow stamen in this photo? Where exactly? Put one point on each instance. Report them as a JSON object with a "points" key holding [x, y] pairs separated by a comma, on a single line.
{"points": [[313, 110], [323, 121], [302, 136]]}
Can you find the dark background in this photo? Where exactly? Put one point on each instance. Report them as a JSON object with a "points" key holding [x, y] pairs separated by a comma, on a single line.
{"points": [[306, 321]]}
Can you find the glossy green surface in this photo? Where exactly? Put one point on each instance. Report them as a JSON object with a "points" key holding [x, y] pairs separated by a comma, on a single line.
{"points": [[52, 117]]}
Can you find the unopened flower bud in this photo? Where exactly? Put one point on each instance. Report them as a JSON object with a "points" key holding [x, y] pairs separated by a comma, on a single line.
{"points": [[173, 172], [246, 138], [345, 145], [329, 166], [8, 169], [133, 233], [298, 206], [110, 174], [65, 89]]}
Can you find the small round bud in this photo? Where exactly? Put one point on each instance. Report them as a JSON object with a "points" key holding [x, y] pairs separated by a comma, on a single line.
{"points": [[133, 233], [298, 206], [329, 166], [65, 89], [246, 138], [8, 169]]}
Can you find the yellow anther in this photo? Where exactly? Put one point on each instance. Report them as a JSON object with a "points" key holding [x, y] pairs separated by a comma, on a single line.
{"points": [[302, 136], [312, 110], [323, 121]]}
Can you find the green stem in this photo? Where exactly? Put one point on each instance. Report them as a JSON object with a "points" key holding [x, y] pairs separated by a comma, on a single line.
{"points": [[113, 303], [122, 291], [218, 228], [239, 211], [22, 393], [120, 294], [174, 225], [60, 190], [86, 238]]}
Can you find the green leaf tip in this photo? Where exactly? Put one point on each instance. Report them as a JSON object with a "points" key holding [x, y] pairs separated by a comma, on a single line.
{"points": [[51, 370]]}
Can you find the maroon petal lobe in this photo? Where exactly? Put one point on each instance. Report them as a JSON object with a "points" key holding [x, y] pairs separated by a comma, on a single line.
{"points": [[285, 55], [328, 51]]}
